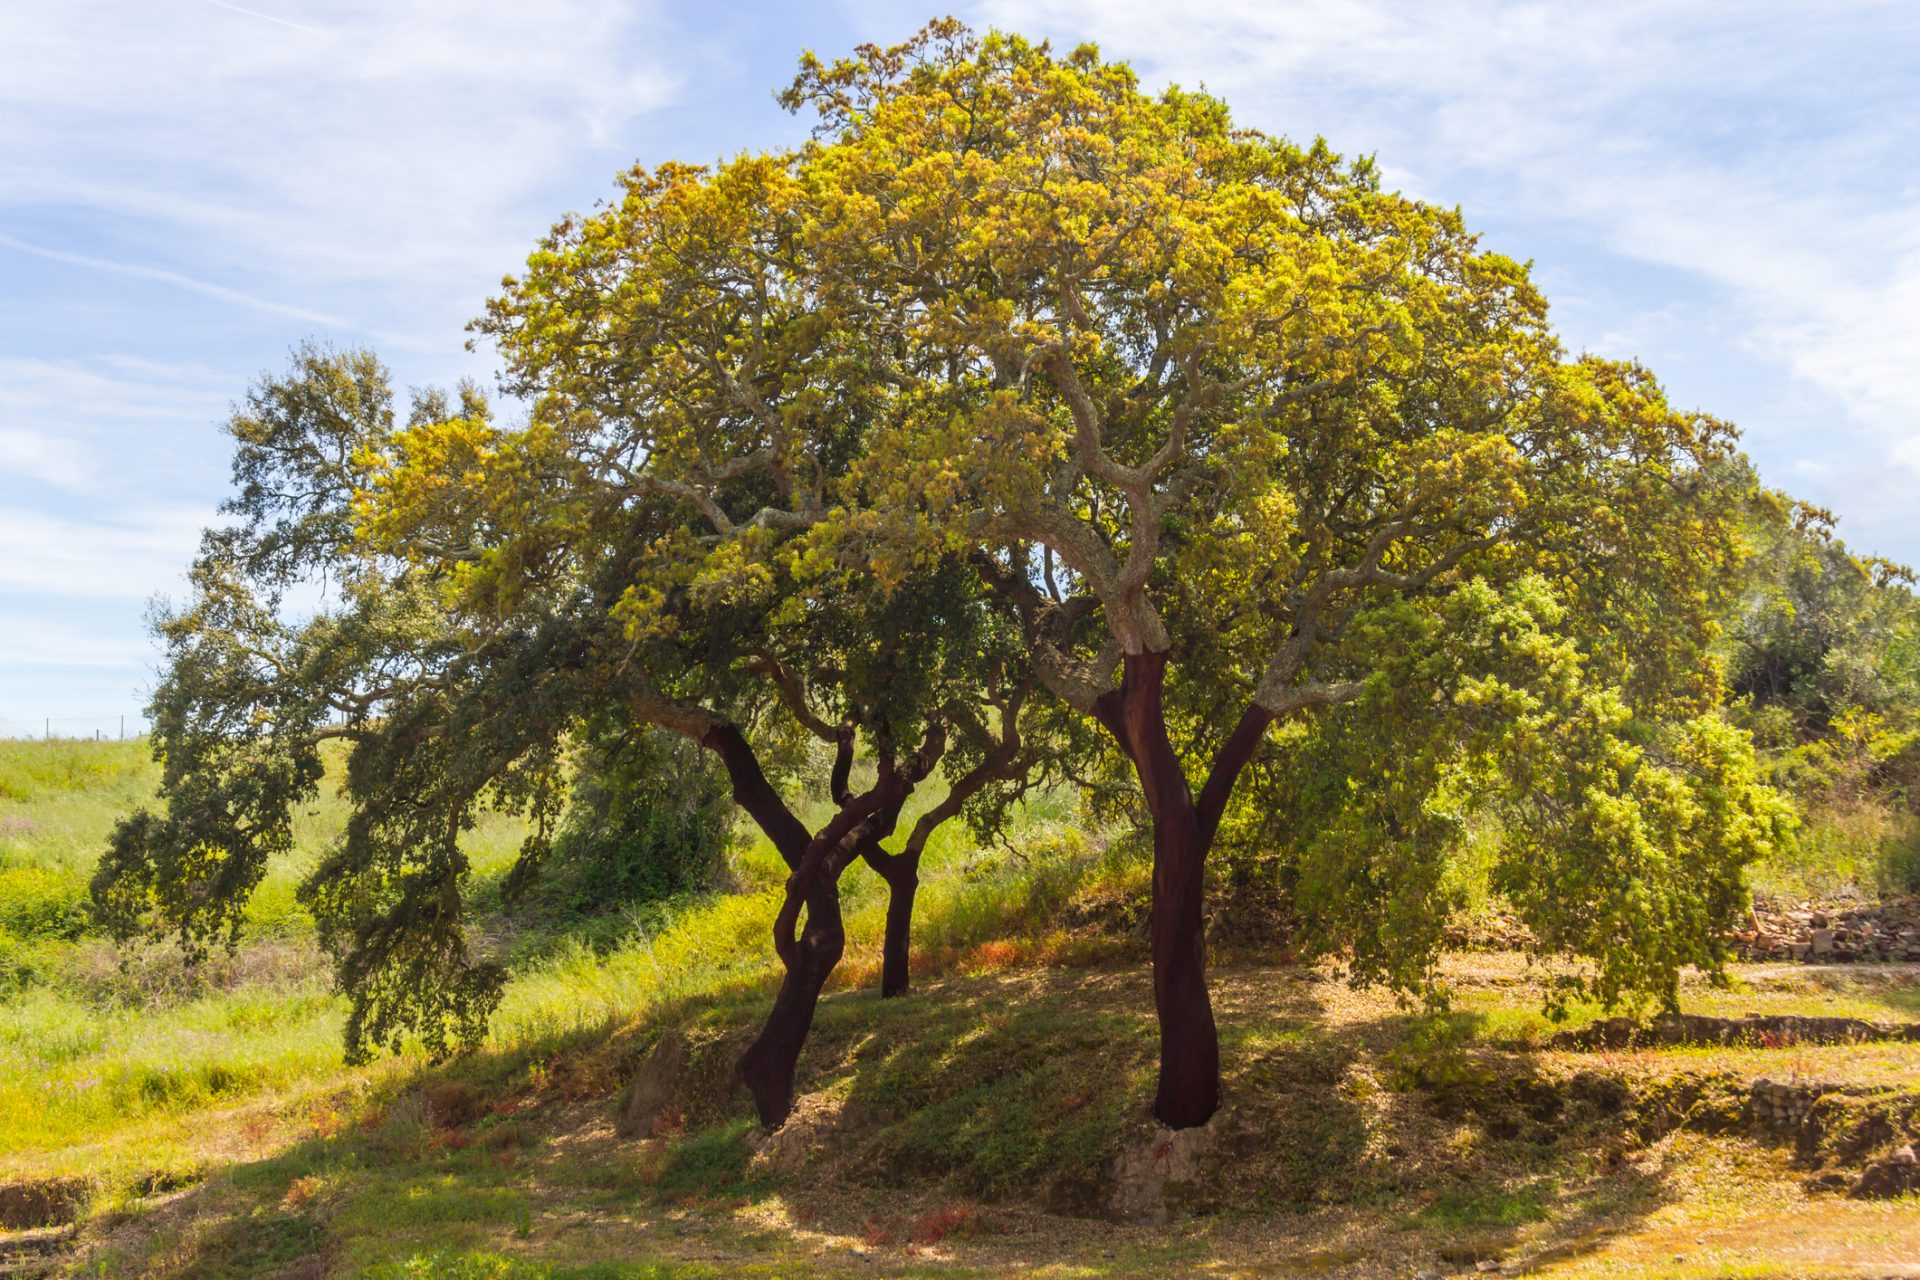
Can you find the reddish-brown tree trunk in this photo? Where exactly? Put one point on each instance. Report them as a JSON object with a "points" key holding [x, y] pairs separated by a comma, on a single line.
{"points": [[1188, 1092], [770, 1063], [902, 874], [1189, 1088], [810, 951]]}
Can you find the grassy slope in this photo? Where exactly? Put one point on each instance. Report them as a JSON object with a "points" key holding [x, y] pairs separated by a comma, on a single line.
{"points": [[937, 1132], [110, 1060], [99, 1045], [222, 1137]]}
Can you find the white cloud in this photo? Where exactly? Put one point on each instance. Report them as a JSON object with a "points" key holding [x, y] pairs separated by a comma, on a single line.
{"points": [[160, 275], [52, 416], [48, 643], [44, 458], [205, 181], [110, 386], [127, 555], [1764, 149], [386, 145]]}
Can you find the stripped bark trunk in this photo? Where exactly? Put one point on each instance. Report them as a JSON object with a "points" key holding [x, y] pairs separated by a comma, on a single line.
{"points": [[1188, 1092], [769, 1064], [901, 871], [902, 874], [772, 1060], [809, 952]]}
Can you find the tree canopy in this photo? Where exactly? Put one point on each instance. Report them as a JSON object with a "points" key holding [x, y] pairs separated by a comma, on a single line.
{"points": [[1216, 413]]}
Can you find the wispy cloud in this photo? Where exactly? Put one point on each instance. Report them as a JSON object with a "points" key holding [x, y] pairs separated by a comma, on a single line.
{"points": [[399, 151], [95, 426], [130, 554], [187, 187], [62, 645], [1761, 151], [45, 458], [160, 275], [265, 17]]}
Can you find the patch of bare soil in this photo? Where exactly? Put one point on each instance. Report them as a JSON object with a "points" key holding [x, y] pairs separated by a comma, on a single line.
{"points": [[42, 1202]]}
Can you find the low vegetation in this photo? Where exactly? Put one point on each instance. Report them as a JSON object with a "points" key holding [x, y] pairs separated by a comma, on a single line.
{"points": [[205, 1125]]}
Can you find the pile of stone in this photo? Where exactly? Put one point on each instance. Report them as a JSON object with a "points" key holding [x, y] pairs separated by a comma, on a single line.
{"points": [[1488, 931], [1797, 1111], [1778, 1106], [1846, 931]]}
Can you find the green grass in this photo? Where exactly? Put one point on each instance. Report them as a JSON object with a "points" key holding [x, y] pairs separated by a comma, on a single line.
{"points": [[493, 1266], [959, 1130], [1873, 847], [99, 1044], [1532, 1201], [59, 799], [1009, 1078]]}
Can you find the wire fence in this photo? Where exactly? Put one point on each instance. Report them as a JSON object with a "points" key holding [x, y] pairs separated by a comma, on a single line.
{"points": [[113, 728]]}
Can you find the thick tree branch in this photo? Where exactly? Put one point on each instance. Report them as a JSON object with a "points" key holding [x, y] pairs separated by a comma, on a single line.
{"points": [[792, 691], [754, 793]]}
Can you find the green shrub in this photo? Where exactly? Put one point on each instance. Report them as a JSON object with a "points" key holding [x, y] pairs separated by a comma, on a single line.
{"points": [[650, 819], [41, 902], [22, 962]]}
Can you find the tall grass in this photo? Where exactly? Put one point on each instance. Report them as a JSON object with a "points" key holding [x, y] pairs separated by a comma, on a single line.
{"points": [[1872, 846], [723, 941], [97, 1040], [58, 800]]}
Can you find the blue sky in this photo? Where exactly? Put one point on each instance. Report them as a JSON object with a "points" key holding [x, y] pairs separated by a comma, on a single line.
{"points": [[190, 187]]}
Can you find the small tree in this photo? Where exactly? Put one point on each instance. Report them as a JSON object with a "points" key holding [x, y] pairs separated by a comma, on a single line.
{"points": [[1823, 657], [462, 660], [722, 637]]}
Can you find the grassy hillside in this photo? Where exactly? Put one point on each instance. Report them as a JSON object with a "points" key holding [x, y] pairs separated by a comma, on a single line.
{"points": [[972, 1130], [199, 1122], [112, 1056]]}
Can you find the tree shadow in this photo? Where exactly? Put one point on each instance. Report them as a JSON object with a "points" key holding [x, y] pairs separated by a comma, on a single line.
{"points": [[1349, 1137], [1027, 1088]]}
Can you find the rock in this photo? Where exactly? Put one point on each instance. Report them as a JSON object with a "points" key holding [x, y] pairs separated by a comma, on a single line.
{"points": [[1159, 1161], [653, 1087], [1822, 942], [1884, 1180], [1469, 1253], [1902, 1155]]}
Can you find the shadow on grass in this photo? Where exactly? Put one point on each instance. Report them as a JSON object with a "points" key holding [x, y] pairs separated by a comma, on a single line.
{"points": [[1397, 1137]]}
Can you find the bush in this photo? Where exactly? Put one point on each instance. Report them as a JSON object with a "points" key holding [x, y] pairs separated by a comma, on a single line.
{"points": [[649, 819], [42, 902]]}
